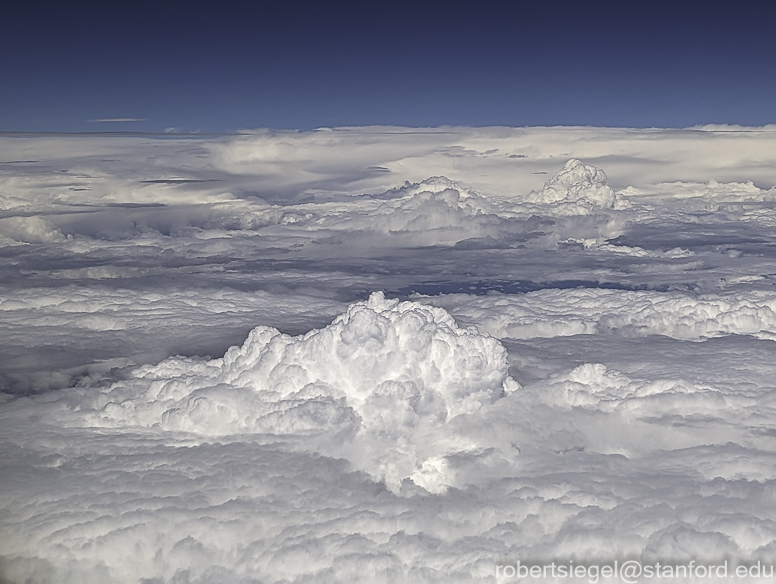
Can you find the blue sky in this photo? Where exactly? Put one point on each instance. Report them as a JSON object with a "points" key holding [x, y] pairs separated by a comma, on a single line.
{"points": [[222, 67]]}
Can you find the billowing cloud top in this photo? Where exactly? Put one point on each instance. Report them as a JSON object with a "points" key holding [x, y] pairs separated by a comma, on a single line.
{"points": [[579, 184], [385, 378]]}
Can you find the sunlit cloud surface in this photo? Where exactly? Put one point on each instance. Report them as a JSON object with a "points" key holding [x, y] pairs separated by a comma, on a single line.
{"points": [[385, 354]]}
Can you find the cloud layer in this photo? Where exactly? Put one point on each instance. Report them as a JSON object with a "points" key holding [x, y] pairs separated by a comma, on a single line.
{"points": [[384, 354], [206, 471], [554, 313]]}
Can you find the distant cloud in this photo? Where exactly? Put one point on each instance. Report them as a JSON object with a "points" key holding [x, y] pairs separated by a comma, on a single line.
{"points": [[102, 120]]}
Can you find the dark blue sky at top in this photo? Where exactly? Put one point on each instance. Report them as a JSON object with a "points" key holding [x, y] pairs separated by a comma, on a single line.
{"points": [[220, 67]]}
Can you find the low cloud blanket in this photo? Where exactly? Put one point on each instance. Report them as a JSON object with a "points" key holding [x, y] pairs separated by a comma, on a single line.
{"points": [[385, 354]]}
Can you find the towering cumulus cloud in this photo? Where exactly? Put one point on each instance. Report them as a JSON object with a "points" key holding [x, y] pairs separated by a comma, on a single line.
{"points": [[378, 385], [577, 184]]}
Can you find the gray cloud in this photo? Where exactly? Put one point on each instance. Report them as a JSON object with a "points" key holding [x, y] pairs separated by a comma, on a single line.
{"points": [[111, 120], [581, 369]]}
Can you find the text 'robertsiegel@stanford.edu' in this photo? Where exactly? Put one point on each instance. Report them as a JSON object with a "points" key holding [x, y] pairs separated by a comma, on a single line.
{"points": [[630, 571]]}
